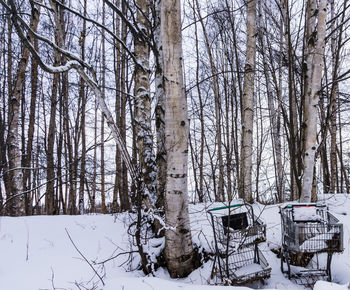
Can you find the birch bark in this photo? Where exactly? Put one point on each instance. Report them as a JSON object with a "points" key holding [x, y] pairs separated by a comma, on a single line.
{"points": [[245, 190], [178, 241], [16, 206], [315, 46]]}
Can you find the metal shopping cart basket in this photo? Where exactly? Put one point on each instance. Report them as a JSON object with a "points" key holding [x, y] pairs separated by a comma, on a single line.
{"points": [[237, 233], [309, 230]]}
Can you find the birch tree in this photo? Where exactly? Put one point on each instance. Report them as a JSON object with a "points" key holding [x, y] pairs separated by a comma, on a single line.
{"points": [[245, 190], [143, 102], [315, 41], [13, 143], [178, 241]]}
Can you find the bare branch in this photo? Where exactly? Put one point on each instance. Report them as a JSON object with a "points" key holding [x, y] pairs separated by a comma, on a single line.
{"points": [[98, 25], [86, 260], [79, 66]]}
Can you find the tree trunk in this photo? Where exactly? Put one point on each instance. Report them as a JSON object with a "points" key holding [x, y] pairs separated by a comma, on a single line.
{"points": [[82, 121], [199, 163], [160, 110], [178, 240], [124, 193], [294, 140], [17, 206], [4, 159], [94, 167], [117, 74], [143, 106], [335, 50], [217, 105], [70, 171], [315, 46], [245, 190], [60, 147], [273, 114], [323, 148], [28, 157], [50, 171], [103, 72]]}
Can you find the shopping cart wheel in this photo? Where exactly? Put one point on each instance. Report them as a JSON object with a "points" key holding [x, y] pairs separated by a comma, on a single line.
{"points": [[282, 260], [282, 264], [288, 264], [285, 258]]}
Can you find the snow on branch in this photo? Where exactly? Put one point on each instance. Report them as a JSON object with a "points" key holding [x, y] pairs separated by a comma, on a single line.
{"points": [[67, 53], [79, 65]]}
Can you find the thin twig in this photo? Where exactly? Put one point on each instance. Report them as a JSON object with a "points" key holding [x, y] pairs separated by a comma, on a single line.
{"points": [[84, 257], [116, 256]]}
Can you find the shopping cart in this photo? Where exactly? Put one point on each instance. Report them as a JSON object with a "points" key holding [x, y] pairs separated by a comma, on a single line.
{"points": [[307, 231], [237, 233]]}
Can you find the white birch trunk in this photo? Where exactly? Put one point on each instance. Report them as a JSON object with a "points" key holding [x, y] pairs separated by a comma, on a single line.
{"points": [[316, 44], [248, 105], [178, 241], [17, 205]]}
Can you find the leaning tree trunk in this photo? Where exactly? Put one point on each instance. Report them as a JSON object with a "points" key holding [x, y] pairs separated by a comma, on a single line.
{"points": [[245, 189], [178, 241], [315, 47]]}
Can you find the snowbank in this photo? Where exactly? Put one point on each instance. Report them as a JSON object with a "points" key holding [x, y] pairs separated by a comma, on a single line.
{"points": [[36, 252]]}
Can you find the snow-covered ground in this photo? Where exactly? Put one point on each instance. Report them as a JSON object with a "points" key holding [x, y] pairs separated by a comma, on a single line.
{"points": [[37, 252]]}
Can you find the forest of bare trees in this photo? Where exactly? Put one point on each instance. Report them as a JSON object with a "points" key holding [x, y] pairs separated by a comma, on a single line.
{"points": [[110, 106]]}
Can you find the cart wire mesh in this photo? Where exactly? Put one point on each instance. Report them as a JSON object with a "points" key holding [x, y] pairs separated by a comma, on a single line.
{"points": [[244, 265], [237, 232], [313, 232], [237, 226], [307, 231]]}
